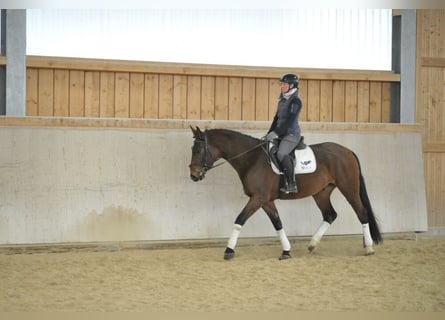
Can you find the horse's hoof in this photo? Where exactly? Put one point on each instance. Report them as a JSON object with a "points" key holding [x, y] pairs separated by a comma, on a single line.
{"points": [[369, 251], [312, 245], [285, 255], [229, 254]]}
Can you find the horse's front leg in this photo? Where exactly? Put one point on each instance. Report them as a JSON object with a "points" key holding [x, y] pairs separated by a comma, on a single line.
{"points": [[251, 207], [274, 217]]}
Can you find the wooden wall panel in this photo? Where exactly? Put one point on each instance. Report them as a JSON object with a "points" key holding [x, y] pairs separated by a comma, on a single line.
{"points": [[92, 94], [61, 93], [386, 102], [208, 98], [274, 93], [221, 98], [107, 94], [151, 93], [430, 108], [46, 92], [95, 90], [326, 95], [165, 96], [375, 102], [248, 99], [338, 101], [77, 93], [351, 102], [262, 100], [313, 100], [136, 95], [32, 92], [235, 97], [303, 92], [179, 97], [122, 95], [194, 97], [363, 101]]}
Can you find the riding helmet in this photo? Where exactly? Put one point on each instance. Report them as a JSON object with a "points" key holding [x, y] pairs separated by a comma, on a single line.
{"points": [[290, 78]]}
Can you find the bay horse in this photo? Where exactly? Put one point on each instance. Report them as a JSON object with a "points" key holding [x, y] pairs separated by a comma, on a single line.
{"points": [[337, 166]]}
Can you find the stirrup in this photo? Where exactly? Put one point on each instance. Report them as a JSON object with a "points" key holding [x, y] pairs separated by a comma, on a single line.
{"points": [[289, 189]]}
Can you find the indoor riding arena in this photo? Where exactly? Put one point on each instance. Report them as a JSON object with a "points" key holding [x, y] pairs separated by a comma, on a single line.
{"points": [[98, 211]]}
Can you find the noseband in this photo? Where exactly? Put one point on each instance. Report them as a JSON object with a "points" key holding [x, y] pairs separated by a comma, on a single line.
{"points": [[207, 154]]}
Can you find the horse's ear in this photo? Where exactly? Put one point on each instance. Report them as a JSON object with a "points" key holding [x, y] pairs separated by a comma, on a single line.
{"points": [[197, 134]]}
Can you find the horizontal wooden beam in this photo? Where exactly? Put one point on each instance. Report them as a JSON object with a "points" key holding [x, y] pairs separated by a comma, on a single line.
{"points": [[2, 60], [432, 62], [123, 123], [206, 69], [434, 147]]}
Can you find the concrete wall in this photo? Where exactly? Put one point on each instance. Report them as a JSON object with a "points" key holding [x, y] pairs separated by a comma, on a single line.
{"points": [[62, 184]]}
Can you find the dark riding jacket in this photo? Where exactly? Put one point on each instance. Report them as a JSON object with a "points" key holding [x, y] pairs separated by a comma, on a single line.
{"points": [[285, 121]]}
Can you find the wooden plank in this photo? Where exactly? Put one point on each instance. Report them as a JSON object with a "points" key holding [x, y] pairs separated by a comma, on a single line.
{"points": [[351, 101], [206, 69], [136, 95], [375, 102], [165, 96], [208, 98], [181, 124], [235, 98], [274, 93], [151, 106], [107, 87], [92, 94], [386, 102], [437, 62], [32, 96], [122, 95], [61, 92], [338, 98], [313, 100], [262, 100], [326, 94], [363, 101], [194, 97], [179, 97], [77, 93], [248, 99], [303, 93], [434, 147], [46, 92], [221, 98]]}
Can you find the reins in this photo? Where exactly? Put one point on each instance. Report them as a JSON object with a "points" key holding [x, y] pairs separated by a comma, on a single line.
{"points": [[231, 158]]}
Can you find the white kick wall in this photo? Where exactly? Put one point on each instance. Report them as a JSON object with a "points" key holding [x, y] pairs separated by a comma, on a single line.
{"points": [[71, 184]]}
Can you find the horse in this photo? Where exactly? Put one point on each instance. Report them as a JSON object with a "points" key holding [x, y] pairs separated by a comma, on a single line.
{"points": [[337, 167]]}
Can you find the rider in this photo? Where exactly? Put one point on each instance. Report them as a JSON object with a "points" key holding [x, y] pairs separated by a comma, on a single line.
{"points": [[286, 129]]}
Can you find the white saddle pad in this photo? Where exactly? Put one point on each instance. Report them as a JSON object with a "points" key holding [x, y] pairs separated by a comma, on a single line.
{"points": [[305, 162]]}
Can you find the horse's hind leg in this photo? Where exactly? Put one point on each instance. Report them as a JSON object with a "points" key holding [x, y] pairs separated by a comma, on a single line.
{"points": [[323, 201], [274, 217]]}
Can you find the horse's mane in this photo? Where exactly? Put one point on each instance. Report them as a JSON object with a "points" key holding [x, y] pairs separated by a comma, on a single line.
{"points": [[233, 134]]}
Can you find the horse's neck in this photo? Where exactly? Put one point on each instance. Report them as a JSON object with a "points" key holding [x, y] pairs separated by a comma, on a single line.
{"points": [[234, 146]]}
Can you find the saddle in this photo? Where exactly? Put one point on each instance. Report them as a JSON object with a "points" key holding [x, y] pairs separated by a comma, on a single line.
{"points": [[302, 156]]}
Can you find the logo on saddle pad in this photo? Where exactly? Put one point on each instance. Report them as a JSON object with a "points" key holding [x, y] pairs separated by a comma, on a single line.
{"points": [[305, 161]]}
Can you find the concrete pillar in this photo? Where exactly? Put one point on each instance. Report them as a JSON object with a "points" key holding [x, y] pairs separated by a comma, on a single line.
{"points": [[408, 67], [13, 77]]}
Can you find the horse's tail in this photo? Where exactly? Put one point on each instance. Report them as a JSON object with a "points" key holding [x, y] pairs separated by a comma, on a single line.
{"points": [[373, 225]]}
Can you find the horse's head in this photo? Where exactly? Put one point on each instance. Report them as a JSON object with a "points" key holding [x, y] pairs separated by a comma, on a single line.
{"points": [[201, 156]]}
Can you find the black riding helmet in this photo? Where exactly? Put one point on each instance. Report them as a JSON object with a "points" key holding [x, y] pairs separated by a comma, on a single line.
{"points": [[290, 78]]}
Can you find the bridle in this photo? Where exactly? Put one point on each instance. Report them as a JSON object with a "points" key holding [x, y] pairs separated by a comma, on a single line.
{"points": [[207, 154]]}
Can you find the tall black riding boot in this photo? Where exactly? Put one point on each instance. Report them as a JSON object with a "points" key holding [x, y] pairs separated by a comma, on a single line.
{"points": [[288, 169]]}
